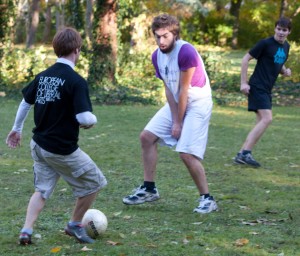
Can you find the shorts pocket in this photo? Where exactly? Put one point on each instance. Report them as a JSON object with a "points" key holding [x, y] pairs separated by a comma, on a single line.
{"points": [[33, 150], [77, 173]]}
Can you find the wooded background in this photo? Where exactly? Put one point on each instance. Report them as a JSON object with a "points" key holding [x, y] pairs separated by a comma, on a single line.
{"points": [[118, 42]]}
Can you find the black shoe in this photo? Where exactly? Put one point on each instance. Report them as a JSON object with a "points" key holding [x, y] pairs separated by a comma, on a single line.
{"points": [[25, 239], [79, 233], [238, 159], [246, 159]]}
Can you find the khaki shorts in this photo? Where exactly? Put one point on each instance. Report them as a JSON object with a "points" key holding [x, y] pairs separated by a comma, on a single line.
{"points": [[77, 169]]}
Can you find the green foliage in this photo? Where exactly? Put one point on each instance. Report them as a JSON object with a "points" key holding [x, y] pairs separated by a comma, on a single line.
{"points": [[7, 11], [260, 205], [293, 61], [137, 73], [19, 66], [75, 14]]}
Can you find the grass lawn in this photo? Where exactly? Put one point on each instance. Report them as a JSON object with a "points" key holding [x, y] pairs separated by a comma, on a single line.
{"points": [[259, 208]]}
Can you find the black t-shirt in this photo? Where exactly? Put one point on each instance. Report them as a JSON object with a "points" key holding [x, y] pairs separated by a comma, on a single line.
{"points": [[270, 56], [58, 94]]}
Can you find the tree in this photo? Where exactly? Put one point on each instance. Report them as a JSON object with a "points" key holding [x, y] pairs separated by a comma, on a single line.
{"points": [[235, 12], [48, 17], [283, 6], [89, 22], [102, 68], [7, 10], [34, 21]]}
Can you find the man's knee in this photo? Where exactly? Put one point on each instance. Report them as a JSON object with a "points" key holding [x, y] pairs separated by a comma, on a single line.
{"points": [[147, 138], [267, 120], [186, 158]]}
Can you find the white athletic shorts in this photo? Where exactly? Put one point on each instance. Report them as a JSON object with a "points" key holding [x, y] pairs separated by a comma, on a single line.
{"points": [[194, 132], [77, 169]]}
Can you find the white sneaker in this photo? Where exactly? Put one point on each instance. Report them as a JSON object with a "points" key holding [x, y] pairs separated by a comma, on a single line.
{"points": [[141, 196], [206, 205]]}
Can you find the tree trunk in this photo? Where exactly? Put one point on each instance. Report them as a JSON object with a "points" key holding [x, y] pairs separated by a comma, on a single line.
{"points": [[105, 44], [107, 26], [89, 22], [59, 15], [34, 13], [283, 6], [235, 12], [47, 30]]}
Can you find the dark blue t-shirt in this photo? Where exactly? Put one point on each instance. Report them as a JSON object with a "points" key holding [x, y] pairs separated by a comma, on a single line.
{"points": [[270, 56], [58, 94]]}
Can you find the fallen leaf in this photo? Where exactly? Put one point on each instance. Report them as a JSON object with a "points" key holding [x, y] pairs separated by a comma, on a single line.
{"points": [[122, 235], [197, 223], [250, 223], [117, 214], [84, 249], [185, 241], [38, 236], [22, 170], [55, 249], [113, 243], [241, 242], [293, 166], [151, 245], [244, 207]]}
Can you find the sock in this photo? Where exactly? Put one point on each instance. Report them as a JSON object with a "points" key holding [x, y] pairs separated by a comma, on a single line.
{"points": [[149, 185], [245, 152], [205, 195], [74, 223], [29, 231]]}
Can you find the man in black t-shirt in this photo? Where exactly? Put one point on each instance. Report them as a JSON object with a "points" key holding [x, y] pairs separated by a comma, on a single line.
{"points": [[61, 106], [271, 54]]}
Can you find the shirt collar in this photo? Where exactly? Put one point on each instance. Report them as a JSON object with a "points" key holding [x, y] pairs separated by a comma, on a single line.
{"points": [[65, 61]]}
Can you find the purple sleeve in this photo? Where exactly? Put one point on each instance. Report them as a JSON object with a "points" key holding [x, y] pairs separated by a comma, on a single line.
{"points": [[187, 57], [154, 62]]}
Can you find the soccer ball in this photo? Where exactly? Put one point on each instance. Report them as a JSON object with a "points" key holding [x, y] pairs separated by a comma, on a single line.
{"points": [[94, 222]]}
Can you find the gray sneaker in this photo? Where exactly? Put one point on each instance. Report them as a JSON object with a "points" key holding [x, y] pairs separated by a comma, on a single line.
{"points": [[206, 205], [141, 196], [79, 233], [246, 159]]}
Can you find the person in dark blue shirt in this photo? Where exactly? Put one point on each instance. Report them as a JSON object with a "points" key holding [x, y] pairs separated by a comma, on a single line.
{"points": [[271, 54]]}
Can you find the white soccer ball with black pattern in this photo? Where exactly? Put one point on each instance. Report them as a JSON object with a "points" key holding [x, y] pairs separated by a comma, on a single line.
{"points": [[94, 222]]}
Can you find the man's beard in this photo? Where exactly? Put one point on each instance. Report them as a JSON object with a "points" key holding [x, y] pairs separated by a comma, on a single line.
{"points": [[170, 48]]}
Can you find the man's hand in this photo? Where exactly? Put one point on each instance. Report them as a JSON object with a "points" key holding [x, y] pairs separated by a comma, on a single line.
{"points": [[245, 88], [287, 72], [13, 139], [176, 130]]}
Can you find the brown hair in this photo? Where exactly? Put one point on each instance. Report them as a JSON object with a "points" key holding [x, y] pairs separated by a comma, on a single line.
{"points": [[66, 41], [284, 22], [166, 21]]}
